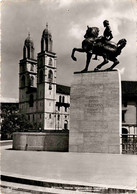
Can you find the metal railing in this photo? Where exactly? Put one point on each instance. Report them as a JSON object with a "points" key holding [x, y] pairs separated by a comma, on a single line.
{"points": [[129, 139]]}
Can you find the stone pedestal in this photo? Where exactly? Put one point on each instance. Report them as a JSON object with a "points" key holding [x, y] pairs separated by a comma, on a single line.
{"points": [[95, 112]]}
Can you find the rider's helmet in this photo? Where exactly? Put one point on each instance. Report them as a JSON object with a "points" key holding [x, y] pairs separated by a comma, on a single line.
{"points": [[106, 22]]}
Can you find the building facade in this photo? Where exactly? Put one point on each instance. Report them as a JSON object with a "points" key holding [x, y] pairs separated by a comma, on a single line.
{"points": [[129, 117], [40, 97]]}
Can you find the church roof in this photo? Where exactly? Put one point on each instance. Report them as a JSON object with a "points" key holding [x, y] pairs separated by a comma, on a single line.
{"points": [[63, 89]]}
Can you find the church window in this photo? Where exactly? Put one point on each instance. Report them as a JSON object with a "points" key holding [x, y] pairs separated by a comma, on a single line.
{"points": [[49, 116], [63, 99], [28, 52], [66, 124], [60, 99], [50, 76], [32, 67], [23, 67], [31, 100], [23, 81], [65, 109], [58, 117], [41, 76], [58, 108], [50, 61], [50, 86], [31, 81], [41, 62]]}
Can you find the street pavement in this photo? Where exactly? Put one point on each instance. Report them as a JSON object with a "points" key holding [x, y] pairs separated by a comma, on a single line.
{"points": [[88, 169]]}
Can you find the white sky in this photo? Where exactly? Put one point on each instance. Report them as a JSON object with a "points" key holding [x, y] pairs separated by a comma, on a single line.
{"points": [[68, 20]]}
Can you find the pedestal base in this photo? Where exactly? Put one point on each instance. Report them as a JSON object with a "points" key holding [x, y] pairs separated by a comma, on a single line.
{"points": [[95, 112]]}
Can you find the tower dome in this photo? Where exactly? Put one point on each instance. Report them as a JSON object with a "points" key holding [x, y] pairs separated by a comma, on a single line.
{"points": [[46, 32], [46, 40], [28, 50], [28, 41]]}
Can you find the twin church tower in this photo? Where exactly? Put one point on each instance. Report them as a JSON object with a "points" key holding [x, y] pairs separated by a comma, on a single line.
{"points": [[40, 98]]}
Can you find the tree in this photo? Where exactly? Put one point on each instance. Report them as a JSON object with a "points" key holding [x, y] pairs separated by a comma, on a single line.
{"points": [[13, 121]]}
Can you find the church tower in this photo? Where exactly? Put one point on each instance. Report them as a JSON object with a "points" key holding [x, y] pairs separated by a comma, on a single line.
{"points": [[46, 82], [28, 80]]}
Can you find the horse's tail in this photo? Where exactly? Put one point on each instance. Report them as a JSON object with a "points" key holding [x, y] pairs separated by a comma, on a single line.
{"points": [[120, 45]]}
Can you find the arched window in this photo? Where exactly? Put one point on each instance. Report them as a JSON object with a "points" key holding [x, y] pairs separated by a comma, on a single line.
{"points": [[60, 99], [28, 52], [31, 81], [58, 117], [40, 62], [50, 44], [66, 124], [50, 76], [63, 99], [41, 76], [50, 61], [31, 100], [32, 67], [23, 81], [49, 116]]}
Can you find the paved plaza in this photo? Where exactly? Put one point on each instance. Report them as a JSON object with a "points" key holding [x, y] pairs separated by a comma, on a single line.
{"points": [[100, 170]]}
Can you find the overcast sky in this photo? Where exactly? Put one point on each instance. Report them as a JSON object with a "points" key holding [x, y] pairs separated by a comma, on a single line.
{"points": [[67, 20]]}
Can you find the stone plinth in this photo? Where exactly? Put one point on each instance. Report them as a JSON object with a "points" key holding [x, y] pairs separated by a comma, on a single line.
{"points": [[47, 141], [95, 112]]}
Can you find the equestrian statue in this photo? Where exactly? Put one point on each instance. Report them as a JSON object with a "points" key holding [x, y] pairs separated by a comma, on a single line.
{"points": [[100, 46]]}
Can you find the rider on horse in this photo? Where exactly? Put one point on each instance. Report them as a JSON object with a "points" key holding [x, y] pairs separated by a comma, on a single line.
{"points": [[102, 46], [107, 35]]}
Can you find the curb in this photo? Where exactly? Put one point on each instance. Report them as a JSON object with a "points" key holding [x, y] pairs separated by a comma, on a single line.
{"points": [[66, 186]]}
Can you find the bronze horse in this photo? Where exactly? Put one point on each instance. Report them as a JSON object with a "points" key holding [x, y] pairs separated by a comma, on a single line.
{"points": [[92, 44]]}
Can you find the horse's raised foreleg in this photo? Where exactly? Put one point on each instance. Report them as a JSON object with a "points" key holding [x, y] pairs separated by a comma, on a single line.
{"points": [[89, 55], [81, 50]]}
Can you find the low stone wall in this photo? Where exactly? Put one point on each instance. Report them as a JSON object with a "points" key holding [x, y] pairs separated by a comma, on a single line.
{"points": [[47, 141]]}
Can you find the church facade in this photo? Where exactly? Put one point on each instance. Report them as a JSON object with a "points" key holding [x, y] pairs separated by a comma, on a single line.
{"points": [[40, 97]]}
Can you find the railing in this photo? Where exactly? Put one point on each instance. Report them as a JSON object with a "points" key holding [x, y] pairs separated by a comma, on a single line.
{"points": [[129, 139]]}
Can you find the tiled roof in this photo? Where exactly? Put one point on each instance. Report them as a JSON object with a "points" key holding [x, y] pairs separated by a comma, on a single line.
{"points": [[63, 89]]}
